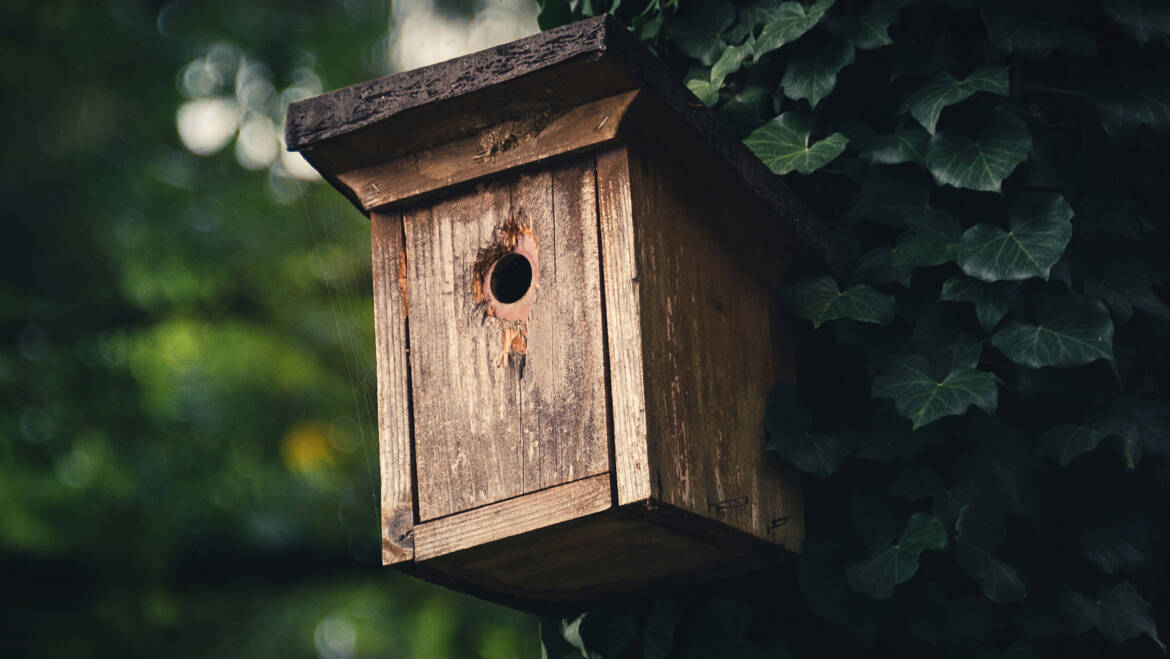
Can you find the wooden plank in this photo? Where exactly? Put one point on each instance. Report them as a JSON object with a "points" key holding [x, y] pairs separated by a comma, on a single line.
{"points": [[497, 148], [490, 422], [512, 517], [573, 64], [710, 353], [394, 440], [620, 277], [562, 385]]}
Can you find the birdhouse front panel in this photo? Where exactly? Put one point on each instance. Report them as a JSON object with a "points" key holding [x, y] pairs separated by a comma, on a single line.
{"points": [[505, 328]]}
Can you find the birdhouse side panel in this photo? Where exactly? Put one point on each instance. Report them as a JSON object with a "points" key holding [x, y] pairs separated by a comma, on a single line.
{"points": [[394, 442], [709, 347], [507, 360]]}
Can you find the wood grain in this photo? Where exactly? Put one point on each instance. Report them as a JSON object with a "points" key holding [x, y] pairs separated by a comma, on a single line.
{"points": [[623, 321], [394, 437], [512, 517], [709, 349], [489, 424], [497, 148]]}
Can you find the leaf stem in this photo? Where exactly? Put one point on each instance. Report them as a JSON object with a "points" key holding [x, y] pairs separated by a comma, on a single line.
{"points": [[1054, 90]]}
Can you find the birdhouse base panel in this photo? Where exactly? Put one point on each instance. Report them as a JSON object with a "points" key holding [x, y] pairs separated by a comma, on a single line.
{"points": [[570, 546]]}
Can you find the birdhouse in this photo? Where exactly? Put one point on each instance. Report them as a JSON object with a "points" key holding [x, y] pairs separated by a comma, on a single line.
{"points": [[577, 329]]}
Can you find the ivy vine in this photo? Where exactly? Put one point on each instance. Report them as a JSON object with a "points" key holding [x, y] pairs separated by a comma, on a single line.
{"points": [[982, 413]]}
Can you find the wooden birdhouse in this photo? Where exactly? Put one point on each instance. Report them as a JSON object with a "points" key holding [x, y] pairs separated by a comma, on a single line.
{"points": [[577, 330]]}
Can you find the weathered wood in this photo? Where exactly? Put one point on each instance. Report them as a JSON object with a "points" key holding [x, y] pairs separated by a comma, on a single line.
{"points": [[393, 388], [386, 118], [495, 423], [511, 517], [621, 278], [532, 138], [630, 552], [708, 345]]}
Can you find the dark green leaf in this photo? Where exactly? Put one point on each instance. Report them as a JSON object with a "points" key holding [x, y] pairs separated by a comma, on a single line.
{"points": [[921, 397], [981, 531], [820, 300], [660, 625], [1140, 103], [1123, 293], [906, 144], [874, 519], [916, 481], [1064, 443], [742, 112], [983, 163], [783, 145], [938, 338], [1145, 423], [1069, 331], [890, 437], [1118, 612], [789, 422], [813, 75], [927, 101], [554, 13], [1031, 35], [894, 196], [878, 575], [1040, 230], [788, 22], [1141, 19], [697, 29], [992, 301], [871, 29], [1001, 466], [1121, 540]]}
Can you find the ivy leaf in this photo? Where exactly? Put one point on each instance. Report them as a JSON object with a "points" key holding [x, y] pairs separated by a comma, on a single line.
{"points": [[906, 144], [916, 481], [1035, 36], [789, 423], [1123, 293], [980, 533], [661, 622], [697, 29], [820, 300], [934, 241], [1040, 230], [939, 340], [1118, 612], [1145, 103], [893, 196], [922, 398], [1144, 423], [783, 145], [1069, 331], [787, 22], [983, 163], [889, 437], [706, 88], [742, 112], [1064, 443], [992, 301], [871, 29], [1121, 539], [1141, 19], [894, 565], [812, 76], [927, 102]]}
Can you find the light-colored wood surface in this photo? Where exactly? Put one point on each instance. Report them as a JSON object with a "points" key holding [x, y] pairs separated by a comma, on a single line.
{"points": [[497, 148], [709, 349], [394, 440], [621, 279], [491, 424], [512, 517]]}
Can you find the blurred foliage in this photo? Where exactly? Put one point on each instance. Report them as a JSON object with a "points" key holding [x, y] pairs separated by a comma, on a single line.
{"points": [[188, 461], [982, 407]]}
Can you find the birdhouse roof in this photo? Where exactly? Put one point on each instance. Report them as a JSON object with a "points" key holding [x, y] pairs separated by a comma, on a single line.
{"points": [[585, 62]]}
